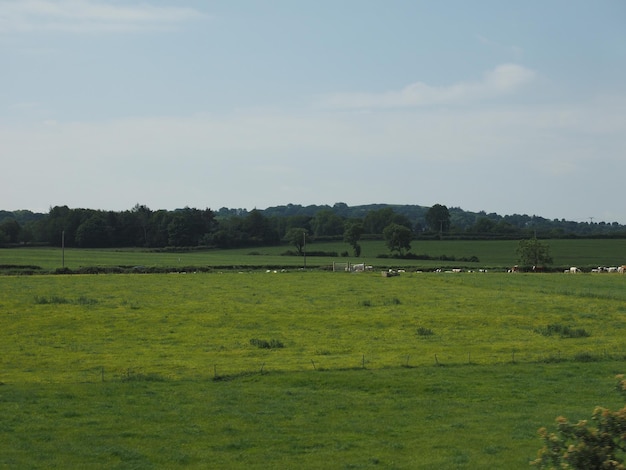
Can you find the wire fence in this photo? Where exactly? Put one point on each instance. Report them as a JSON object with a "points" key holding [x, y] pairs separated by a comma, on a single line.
{"points": [[228, 370]]}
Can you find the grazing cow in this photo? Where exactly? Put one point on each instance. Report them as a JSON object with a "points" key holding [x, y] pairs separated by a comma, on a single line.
{"points": [[574, 269], [538, 269], [622, 269], [514, 269], [358, 267]]}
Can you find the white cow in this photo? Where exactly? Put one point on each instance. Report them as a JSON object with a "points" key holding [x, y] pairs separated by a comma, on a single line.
{"points": [[574, 269], [621, 269]]}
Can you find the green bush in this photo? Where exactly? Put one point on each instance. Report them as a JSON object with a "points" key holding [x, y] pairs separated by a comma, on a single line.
{"points": [[264, 344], [421, 331], [582, 446]]}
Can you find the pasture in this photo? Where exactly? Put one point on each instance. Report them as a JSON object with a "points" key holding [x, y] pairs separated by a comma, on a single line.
{"points": [[498, 255], [302, 369]]}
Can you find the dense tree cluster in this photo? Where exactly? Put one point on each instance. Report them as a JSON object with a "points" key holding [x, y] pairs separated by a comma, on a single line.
{"points": [[190, 227]]}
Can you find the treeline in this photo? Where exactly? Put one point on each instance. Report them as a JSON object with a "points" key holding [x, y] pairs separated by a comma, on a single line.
{"points": [[229, 228]]}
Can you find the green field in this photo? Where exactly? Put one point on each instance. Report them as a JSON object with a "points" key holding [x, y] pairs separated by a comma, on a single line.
{"points": [[423, 370], [500, 255]]}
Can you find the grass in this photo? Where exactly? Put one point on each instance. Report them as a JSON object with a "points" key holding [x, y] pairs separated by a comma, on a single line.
{"points": [[457, 417], [205, 321], [491, 254], [160, 371]]}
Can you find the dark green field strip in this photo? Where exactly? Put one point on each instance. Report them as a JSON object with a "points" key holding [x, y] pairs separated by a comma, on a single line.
{"points": [[491, 255]]}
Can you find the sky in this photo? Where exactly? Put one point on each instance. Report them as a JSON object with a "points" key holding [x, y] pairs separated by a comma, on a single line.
{"points": [[512, 107]]}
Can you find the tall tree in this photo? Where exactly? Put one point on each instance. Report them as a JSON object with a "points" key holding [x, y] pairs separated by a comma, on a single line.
{"points": [[142, 215], [10, 230], [94, 232], [438, 218], [297, 237], [397, 238], [352, 235], [327, 223], [258, 229], [376, 220], [532, 252]]}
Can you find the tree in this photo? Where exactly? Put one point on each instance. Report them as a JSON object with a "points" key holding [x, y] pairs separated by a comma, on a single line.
{"points": [[438, 218], [297, 237], [532, 252], [398, 238], [327, 223], [94, 232], [142, 215], [258, 229], [11, 229], [582, 446], [352, 235], [376, 220], [483, 225]]}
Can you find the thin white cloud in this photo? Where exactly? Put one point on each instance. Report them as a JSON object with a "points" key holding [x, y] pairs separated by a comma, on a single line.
{"points": [[504, 79], [89, 16]]}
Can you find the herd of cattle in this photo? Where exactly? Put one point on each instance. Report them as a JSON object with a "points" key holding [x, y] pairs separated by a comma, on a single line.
{"points": [[600, 269], [612, 269]]}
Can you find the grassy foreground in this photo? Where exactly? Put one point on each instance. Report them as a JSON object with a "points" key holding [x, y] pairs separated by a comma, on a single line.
{"points": [[418, 371], [429, 418]]}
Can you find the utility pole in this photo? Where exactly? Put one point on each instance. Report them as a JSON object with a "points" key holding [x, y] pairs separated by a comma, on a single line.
{"points": [[63, 248], [304, 246]]}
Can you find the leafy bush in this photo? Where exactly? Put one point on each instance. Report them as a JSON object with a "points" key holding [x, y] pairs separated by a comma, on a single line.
{"points": [[421, 331], [583, 446], [264, 344]]}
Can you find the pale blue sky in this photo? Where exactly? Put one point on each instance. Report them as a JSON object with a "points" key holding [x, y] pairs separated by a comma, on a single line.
{"points": [[502, 106]]}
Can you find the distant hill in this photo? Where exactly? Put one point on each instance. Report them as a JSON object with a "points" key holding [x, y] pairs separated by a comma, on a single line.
{"points": [[462, 220], [411, 211]]}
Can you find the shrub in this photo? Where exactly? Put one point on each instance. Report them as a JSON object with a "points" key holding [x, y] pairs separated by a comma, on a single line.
{"points": [[421, 331], [264, 344], [583, 446], [621, 384]]}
